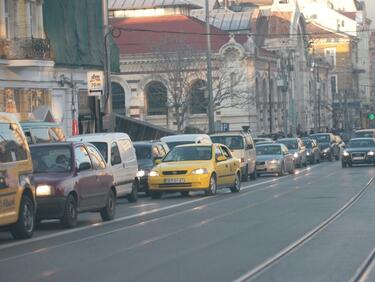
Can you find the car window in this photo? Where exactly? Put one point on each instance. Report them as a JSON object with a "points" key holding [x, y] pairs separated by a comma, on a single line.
{"points": [[235, 142], [143, 151], [12, 148], [218, 152], [290, 144], [48, 159], [82, 158], [226, 152], [268, 150], [162, 151], [96, 158], [361, 144], [155, 152], [102, 147], [364, 134], [115, 154], [41, 135], [193, 153], [127, 148]]}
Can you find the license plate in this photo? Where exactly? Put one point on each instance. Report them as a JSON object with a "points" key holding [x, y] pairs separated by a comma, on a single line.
{"points": [[358, 158], [174, 180]]}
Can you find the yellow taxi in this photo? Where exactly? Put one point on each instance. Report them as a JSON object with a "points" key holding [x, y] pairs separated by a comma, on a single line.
{"points": [[195, 167], [17, 191]]}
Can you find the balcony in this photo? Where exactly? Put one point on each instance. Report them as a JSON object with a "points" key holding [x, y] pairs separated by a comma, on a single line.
{"points": [[25, 49]]}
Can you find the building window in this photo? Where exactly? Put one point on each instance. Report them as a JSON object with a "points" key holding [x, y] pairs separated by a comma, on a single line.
{"points": [[333, 83], [330, 54], [6, 19], [118, 98], [199, 102], [156, 97]]}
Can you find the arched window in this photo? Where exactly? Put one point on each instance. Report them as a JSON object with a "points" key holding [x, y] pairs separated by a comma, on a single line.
{"points": [[199, 101], [118, 98], [156, 96]]}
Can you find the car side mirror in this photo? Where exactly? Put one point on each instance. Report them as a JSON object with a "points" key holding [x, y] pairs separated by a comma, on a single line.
{"points": [[84, 166], [221, 159]]}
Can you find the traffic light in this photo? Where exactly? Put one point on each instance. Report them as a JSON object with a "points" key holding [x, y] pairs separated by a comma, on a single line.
{"points": [[371, 116]]}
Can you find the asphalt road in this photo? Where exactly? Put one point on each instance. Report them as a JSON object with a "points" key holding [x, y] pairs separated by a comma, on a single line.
{"points": [[317, 225]]}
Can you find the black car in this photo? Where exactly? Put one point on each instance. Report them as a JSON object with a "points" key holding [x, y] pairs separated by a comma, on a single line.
{"points": [[312, 150], [359, 151], [147, 153], [329, 149]]}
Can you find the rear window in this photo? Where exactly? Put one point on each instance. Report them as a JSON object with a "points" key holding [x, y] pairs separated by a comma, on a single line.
{"points": [[290, 144], [143, 152], [232, 142], [102, 148], [364, 134], [361, 144], [171, 145], [12, 147], [322, 138]]}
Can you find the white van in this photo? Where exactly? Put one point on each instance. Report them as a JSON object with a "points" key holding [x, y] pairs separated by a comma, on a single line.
{"points": [[182, 139], [119, 153], [243, 148]]}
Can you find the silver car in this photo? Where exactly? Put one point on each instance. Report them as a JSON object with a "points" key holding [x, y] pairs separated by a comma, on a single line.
{"points": [[297, 148], [274, 158]]}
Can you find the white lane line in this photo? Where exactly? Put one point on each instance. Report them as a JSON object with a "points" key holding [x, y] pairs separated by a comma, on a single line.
{"points": [[83, 228]]}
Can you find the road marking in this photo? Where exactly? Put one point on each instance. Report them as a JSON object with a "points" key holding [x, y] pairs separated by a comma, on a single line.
{"points": [[137, 215]]}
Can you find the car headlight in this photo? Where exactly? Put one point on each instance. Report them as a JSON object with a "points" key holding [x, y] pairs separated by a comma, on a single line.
{"points": [[371, 153], [345, 154], [295, 155], [200, 171], [153, 173], [141, 173], [274, 161], [308, 153], [326, 150], [44, 190]]}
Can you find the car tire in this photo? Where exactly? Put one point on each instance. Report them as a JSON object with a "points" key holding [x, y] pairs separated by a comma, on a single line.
{"points": [[245, 176], [254, 175], [155, 195], [69, 219], [185, 193], [343, 164], [133, 196], [236, 185], [212, 186], [24, 227], [108, 212], [293, 171]]}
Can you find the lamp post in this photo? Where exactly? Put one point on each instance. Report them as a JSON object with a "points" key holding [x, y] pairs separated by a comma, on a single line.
{"points": [[211, 119]]}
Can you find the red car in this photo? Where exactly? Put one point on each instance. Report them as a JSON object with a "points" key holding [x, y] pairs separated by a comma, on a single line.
{"points": [[70, 178]]}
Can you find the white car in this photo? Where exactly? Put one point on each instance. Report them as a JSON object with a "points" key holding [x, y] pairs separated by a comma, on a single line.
{"points": [[182, 139], [119, 154]]}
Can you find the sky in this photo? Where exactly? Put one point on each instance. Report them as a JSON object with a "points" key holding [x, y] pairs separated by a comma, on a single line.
{"points": [[370, 5]]}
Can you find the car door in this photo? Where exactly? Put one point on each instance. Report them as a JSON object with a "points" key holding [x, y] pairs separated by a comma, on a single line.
{"points": [[230, 166], [130, 164], [118, 165], [87, 185], [220, 166], [252, 154]]}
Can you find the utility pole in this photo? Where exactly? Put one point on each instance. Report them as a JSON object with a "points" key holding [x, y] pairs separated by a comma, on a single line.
{"points": [[107, 69], [270, 94], [318, 93], [211, 119]]}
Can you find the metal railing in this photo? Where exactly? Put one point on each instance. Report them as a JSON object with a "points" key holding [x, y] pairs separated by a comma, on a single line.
{"points": [[25, 48]]}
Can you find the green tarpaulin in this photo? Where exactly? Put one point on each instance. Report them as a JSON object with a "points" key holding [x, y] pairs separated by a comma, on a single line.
{"points": [[75, 30]]}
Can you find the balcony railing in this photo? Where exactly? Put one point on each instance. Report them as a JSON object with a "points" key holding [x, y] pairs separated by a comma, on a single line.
{"points": [[25, 48]]}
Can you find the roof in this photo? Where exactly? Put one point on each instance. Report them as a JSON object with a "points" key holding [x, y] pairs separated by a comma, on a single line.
{"points": [[141, 35], [279, 24], [183, 137], [350, 15], [317, 31], [99, 137], [145, 4]]}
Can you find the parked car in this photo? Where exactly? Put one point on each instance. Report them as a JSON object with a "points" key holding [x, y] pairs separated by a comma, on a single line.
{"points": [[297, 148], [119, 154], [147, 153], [42, 132], [196, 167], [329, 149], [70, 178], [359, 151], [181, 139], [364, 133], [312, 150], [274, 158], [242, 147], [17, 190]]}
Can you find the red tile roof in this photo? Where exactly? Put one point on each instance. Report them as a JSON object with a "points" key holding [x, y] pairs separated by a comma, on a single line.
{"points": [[141, 35], [318, 32], [350, 15]]}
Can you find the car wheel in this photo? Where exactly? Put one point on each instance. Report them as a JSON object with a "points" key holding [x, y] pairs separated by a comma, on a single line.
{"points": [[108, 212], [155, 195], [293, 170], [254, 175], [236, 185], [212, 188], [133, 196], [24, 227], [69, 219], [185, 193], [258, 174], [343, 164], [245, 176]]}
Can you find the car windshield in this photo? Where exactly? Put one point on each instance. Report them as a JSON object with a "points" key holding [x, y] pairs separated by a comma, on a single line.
{"points": [[232, 142], [361, 144], [171, 145], [308, 143], [321, 138], [143, 152], [193, 153], [268, 150], [102, 148], [51, 159], [364, 134], [290, 144]]}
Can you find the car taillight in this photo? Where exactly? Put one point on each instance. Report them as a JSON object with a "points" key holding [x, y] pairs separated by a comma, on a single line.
{"points": [[3, 182]]}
